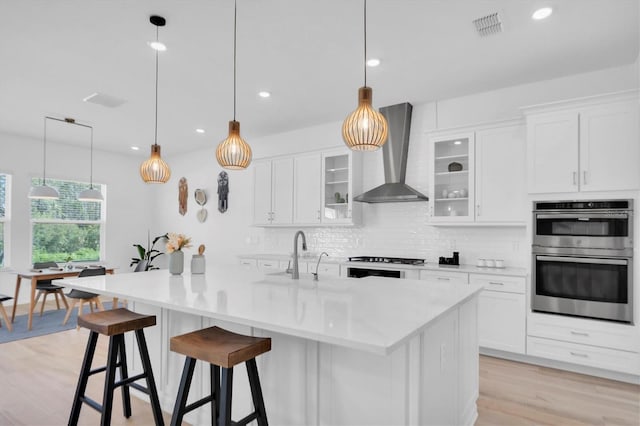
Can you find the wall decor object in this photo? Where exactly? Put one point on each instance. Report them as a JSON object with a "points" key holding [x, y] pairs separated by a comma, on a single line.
{"points": [[183, 196], [155, 169], [201, 200], [223, 192]]}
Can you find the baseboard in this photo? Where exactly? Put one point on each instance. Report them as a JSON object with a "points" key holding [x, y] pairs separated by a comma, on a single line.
{"points": [[560, 365]]}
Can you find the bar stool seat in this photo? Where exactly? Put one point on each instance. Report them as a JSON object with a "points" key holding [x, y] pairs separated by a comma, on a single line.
{"points": [[114, 323], [221, 349]]}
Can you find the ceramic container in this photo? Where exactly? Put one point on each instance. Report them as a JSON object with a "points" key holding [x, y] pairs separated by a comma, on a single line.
{"points": [[197, 264]]}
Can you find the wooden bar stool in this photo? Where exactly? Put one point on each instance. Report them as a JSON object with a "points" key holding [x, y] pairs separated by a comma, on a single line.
{"points": [[221, 349], [114, 323]]}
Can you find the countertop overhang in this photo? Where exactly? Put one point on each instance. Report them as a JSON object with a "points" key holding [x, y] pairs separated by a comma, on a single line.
{"points": [[371, 314]]}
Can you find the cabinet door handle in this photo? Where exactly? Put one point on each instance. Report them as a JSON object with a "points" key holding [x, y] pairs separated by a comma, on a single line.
{"points": [[444, 279], [579, 333], [574, 177], [584, 177], [578, 354], [495, 283], [318, 214], [478, 209]]}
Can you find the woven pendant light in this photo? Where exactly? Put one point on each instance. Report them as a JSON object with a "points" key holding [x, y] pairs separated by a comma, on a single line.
{"points": [[365, 129], [234, 153], [155, 169]]}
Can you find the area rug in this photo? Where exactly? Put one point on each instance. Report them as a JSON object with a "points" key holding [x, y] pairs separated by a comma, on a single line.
{"points": [[49, 322]]}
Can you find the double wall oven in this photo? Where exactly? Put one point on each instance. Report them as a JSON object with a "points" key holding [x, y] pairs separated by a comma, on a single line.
{"points": [[583, 259]]}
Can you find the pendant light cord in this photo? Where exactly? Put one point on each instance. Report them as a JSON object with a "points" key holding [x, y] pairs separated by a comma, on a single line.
{"points": [[365, 43], [155, 136], [44, 156], [91, 162], [235, 31]]}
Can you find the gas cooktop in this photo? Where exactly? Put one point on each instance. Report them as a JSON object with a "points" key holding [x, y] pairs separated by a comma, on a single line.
{"points": [[399, 260]]}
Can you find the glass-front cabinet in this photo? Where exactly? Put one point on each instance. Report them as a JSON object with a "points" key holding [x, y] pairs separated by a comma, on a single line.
{"points": [[452, 180], [337, 188]]}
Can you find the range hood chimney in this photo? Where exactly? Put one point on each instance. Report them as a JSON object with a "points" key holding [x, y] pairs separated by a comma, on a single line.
{"points": [[394, 155]]}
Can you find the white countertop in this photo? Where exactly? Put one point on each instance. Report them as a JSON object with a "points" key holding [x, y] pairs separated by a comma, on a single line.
{"points": [[371, 314]]}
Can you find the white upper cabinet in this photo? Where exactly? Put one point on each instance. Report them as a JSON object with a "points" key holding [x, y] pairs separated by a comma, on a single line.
{"points": [[500, 174], [337, 187], [452, 177], [478, 175], [273, 192], [307, 188], [553, 152], [584, 145], [610, 147]]}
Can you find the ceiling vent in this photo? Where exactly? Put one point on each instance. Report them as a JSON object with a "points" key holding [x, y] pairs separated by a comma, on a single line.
{"points": [[104, 100], [487, 25]]}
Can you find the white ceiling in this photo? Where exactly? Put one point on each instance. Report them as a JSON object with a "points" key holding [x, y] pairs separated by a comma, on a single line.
{"points": [[308, 53]]}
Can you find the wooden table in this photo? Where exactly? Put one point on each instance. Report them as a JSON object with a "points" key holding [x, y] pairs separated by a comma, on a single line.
{"points": [[46, 274]]}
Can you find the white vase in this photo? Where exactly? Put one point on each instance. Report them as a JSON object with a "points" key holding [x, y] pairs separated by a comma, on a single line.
{"points": [[176, 262]]}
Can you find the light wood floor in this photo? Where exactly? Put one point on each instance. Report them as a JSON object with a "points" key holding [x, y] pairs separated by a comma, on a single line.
{"points": [[39, 377]]}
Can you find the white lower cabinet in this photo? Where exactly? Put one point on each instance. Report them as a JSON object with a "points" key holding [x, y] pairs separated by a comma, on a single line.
{"points": [[501, 312], [445, 276], [592, 343]]}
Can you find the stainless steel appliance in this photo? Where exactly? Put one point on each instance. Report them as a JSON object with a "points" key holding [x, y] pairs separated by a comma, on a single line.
{"points": [[379, 266], [583, 258]]}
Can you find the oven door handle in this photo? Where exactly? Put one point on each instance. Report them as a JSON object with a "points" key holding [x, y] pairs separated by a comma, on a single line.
{"points": [[567, 259], [583, 216]]}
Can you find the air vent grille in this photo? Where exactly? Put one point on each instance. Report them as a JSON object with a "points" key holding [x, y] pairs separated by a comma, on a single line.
{"points": [[487, 25]]}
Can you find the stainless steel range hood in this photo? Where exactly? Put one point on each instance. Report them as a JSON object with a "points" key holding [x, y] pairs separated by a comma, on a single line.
{"points": [[394, 155]]}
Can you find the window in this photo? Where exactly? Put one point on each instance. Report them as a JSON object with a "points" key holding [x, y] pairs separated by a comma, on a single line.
{"points": [[67, 229], [5, 216]]}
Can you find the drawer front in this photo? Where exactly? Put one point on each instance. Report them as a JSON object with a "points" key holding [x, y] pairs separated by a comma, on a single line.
{"points": [[499, 283], [331, 269], [595, 333], [249, 262], [591, 356], [445, 276], [268, 264]]}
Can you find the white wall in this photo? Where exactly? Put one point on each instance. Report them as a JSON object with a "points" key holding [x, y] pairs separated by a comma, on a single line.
{"points": [[129, 200], [387, 229]]}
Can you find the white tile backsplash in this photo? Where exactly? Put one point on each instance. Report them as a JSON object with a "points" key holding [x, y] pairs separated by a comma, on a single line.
{"points": [[403, 230]]}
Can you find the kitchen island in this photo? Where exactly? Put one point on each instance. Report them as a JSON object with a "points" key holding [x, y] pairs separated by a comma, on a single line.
{"points": [[344, 351]]}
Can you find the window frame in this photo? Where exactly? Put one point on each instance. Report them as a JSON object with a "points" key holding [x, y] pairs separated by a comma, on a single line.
{"points": [[6, 221], [102, 222]]}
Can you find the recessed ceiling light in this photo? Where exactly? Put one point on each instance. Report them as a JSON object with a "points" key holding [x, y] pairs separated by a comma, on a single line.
{"points": [[457, 143], [373, 62], [156, 45], [134, 148], [542, 13], [199, 130], [264, 94]]}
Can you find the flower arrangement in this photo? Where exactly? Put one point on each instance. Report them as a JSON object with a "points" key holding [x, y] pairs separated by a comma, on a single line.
{"points": [[177, 242]]}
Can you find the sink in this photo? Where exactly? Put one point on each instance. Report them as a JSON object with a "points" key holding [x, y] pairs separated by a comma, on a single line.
{"points": [[284, 279]]}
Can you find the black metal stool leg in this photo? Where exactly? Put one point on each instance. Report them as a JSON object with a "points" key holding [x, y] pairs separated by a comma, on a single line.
{"points": [[183, 391], [256, 392], [151, 383], [83, 379], [214, 373], [109, 381], [224, 416], [124, 374]]}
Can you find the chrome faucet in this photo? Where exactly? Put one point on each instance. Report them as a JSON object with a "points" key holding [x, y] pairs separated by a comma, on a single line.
{"points": [[296, 273], [315, 274]]}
